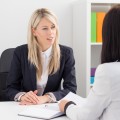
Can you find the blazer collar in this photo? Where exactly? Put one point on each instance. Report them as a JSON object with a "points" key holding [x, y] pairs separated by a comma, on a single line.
{"points": [[33, 76]]}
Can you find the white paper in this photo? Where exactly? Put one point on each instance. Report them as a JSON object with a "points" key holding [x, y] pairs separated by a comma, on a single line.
{"points": [[75, 98]]}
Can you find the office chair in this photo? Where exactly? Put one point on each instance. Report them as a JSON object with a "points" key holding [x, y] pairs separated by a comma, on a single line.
{"points": [[5, 62]]}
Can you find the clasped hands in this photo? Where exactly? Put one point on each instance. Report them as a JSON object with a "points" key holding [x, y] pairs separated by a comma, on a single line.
{"points": [[31, 98]]}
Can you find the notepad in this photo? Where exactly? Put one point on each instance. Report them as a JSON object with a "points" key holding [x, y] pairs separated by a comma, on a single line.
{"points": [[49, 110], [45, 111]]}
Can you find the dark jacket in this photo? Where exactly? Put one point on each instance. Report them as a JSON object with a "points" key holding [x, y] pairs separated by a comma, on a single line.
{"points": [[22, 75]]}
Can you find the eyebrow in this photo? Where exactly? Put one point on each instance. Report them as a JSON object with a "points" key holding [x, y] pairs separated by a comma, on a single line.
{"points": [[47, 26]]}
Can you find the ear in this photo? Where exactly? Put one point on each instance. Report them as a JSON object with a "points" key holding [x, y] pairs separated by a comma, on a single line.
{"points": [[33, 31]]}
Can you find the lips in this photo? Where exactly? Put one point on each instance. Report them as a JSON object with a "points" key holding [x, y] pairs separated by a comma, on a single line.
{"points": [[51, 38]]}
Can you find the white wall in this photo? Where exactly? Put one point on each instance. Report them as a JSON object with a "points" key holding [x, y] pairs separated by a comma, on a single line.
{"points": [[15, 14]]}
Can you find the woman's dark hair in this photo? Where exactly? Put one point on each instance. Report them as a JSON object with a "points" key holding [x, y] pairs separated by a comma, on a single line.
{"points": [[111, 36]]}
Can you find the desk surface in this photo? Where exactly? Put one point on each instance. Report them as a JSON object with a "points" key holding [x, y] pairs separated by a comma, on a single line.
{"points": [[10, 110]]}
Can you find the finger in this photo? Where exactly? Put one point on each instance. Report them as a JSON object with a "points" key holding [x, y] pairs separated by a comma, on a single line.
{"points": [[36, 91], [25, 103], [33, 98], [34, 94], [26, 99], [30, 97]]}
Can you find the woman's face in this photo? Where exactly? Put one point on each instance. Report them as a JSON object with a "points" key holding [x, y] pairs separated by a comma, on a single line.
{"points": [[45, 33]]}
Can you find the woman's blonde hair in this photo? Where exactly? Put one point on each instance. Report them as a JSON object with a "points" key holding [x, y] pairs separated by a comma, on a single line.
{"points": [[33, 47]]}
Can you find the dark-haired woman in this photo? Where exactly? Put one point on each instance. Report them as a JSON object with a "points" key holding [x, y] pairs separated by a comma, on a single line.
{"points": [[103, 101]]}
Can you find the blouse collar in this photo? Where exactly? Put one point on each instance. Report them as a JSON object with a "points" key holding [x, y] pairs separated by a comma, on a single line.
{"points": [[48, 52]]}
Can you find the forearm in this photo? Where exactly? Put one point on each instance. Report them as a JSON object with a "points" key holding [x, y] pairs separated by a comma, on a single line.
{"points": [[73, 113], [51, 97], [11, 93]]}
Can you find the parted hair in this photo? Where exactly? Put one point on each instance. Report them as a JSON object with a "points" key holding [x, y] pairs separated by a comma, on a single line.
{"points": [[34, 56], [111, 35]]}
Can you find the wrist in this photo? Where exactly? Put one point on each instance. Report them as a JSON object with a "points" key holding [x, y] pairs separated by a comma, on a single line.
{"points": [[20, 97], [67, 104], [49, 98]]}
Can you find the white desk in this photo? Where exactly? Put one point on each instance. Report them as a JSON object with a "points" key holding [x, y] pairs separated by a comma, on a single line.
{"points": [[9, 111]]}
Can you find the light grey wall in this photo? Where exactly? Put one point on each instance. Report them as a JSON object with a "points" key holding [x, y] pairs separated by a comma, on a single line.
{"points": [[15, 14]]}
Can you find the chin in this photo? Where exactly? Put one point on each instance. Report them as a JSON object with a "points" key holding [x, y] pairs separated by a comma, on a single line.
{"points": [[51, 42]]}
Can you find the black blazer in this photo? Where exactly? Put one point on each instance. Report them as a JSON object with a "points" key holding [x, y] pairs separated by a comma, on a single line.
{"points": [[22, 75]]}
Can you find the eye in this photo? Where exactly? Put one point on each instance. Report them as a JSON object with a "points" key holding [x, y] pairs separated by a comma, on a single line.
{"points": [[44, 28], [52, 27]]}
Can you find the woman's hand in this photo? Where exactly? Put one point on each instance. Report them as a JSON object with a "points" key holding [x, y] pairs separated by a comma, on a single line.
{"points": [[43, 99], [62, 105], [29, 98]]}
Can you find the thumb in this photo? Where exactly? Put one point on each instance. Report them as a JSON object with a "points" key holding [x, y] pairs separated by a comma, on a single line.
{"points": [[35, 92]]}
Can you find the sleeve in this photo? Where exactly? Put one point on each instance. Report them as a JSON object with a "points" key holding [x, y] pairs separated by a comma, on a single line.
{"points": [[96, 102], [52, 97], [18, 96], [69, 78], [15, 76]]}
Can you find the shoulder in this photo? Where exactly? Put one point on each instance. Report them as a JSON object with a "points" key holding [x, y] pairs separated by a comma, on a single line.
{"points": [[21, 50], [104, 76], [22, 47], [110, 69], [65, 49]]}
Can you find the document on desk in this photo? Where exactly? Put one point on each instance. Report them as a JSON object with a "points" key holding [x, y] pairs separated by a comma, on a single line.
{"points": [[49, 110], [44, 111]]}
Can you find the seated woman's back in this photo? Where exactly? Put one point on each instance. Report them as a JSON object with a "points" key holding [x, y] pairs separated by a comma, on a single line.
{"points": [[103, 101], [113, 109]]}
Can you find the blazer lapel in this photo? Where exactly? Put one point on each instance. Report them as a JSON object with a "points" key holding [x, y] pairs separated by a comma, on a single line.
{"points": [[33, 76], [49, 84], [52, 82]]}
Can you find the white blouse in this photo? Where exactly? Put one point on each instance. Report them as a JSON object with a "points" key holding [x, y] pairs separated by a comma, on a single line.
{"points": [[41, 84]]}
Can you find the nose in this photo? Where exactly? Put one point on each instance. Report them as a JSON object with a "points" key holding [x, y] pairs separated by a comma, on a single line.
{"points": [[50, 31]]}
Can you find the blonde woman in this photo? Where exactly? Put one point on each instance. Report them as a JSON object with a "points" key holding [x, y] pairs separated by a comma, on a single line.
{"points": [[38, 67]]}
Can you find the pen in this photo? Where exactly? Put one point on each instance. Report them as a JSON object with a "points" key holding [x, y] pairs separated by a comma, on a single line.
{"points": [[46, 105]]}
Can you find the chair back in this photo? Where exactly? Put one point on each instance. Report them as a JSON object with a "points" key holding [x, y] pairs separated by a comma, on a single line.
{"points": [[5, 62]]}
